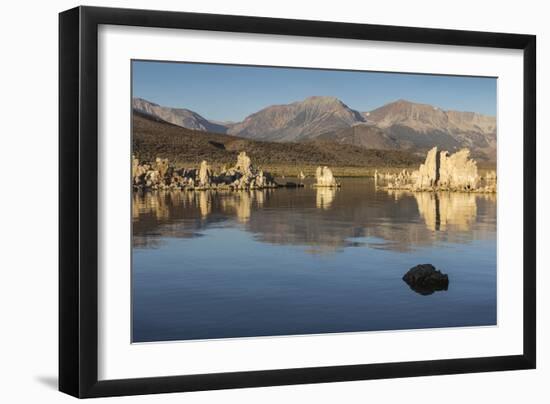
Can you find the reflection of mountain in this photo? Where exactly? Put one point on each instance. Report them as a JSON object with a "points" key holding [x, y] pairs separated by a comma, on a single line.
{"points": [[322, 220]]}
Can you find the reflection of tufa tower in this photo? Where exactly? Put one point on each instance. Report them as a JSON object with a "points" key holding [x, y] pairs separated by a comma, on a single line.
{"points": [[442, 210], [205, 205], [241, 203], [243, 207], [325, 196]]}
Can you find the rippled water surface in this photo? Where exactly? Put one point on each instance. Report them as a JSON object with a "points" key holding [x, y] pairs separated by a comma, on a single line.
{"points": [[307, 261]]}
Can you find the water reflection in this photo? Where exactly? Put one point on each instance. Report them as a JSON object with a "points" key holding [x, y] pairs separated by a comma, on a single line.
{"points": [[325, 196], [322, 220], [205, 203], [239, 204], [444, 210]]}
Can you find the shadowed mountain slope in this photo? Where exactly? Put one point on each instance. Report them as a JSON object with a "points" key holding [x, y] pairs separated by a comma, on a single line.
{"points": [[152, 138], [363, 135]]}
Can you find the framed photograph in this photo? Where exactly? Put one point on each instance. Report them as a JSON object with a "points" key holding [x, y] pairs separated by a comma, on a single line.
{"points": [[251, 201]]}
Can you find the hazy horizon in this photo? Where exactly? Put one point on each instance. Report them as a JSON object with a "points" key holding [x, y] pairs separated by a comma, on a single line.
{"points": [[232, 92]]}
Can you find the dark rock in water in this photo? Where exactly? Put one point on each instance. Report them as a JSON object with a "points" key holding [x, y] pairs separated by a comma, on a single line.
{"points": [[425, 279]]}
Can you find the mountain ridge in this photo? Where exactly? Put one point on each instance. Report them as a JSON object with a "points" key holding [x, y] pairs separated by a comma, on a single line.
{"points": [[178, 116], [399, 125], [300, 120], [420, 116]]}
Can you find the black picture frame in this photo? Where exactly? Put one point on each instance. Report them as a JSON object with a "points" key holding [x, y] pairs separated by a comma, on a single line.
{"points": [[78, 201]]}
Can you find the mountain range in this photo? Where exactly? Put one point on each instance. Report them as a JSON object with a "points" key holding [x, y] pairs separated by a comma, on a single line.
{"points": [[399, 125]]}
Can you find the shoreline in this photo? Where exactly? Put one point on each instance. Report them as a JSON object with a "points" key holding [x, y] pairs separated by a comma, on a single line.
{"points": [[440, 172], [352, 171]]}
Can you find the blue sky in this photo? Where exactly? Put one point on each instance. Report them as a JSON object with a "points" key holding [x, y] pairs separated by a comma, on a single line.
{"points": [[230, 92]]}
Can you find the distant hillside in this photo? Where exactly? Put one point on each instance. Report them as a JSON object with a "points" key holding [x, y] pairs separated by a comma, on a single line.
{"points": [[178, 116], [152, 138]]}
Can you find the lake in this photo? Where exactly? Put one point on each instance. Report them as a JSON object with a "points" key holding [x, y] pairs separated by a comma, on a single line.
{"points": [[308, 261]]}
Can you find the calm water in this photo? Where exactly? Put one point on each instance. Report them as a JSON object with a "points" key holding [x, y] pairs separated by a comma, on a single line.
{"points": [[302, 261]]}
